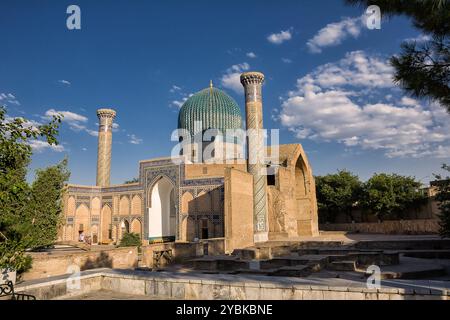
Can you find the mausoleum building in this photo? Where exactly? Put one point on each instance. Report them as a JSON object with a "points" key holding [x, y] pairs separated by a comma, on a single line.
{"points": [[193, 196]]}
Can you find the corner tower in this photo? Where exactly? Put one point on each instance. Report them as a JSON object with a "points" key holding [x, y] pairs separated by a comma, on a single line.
{"points": [[106, 118], [252, 82]]}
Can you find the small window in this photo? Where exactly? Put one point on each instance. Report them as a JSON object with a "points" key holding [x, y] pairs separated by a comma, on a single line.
{"points": [[205, 170], [271, 180]]}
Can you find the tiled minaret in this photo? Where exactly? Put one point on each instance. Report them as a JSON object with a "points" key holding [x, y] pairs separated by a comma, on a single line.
{"points": [[252, 82], [106, 118]]}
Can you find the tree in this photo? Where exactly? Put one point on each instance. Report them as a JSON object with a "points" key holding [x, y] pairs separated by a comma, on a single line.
{"points": [[390, 196], [443, 198], [15, 154], [46, 204], [337, 193], [134, 180], [422, 70], [15, 193]]}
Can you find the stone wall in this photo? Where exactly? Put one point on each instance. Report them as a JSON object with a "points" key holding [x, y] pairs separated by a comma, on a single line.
{"points": [[181, 251], [195, 171], [424, 226], [48, 265], [238, 207], [292, 199], [429, 210], [228, 287]]}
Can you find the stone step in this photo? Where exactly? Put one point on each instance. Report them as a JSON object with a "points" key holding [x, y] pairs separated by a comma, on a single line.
{"points": [[292, 271], [419, 274], [412, 268], [264, 272], [142, 268], [427, 254], [344, 265], [412, 244], [222, 263]]}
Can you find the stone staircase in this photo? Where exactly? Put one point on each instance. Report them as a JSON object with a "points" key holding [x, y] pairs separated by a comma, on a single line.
{"points": [[304, 259]]}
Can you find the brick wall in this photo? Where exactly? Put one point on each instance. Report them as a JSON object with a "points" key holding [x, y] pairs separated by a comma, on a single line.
{"points": [[48, 265], [423, 226]]}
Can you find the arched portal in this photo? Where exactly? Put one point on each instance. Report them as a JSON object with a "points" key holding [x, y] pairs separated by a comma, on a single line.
{"points": [[82, 222], [106, 227], [136, 226], [124, 227], [161, 214]]}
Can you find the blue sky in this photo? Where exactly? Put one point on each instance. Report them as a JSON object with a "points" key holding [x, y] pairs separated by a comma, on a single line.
{"points": [[328, 83]]}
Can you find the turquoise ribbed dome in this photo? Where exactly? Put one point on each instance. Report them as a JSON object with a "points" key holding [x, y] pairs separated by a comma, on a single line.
{"points": [[214, 108]]}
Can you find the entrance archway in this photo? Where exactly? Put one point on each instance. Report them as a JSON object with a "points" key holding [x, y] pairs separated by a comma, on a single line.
{"points": [[106, 224], [124, 228], [136, 226], [161, 214]]}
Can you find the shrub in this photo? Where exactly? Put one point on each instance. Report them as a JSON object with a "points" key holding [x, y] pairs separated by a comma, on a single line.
{"points": [[130, 240]]}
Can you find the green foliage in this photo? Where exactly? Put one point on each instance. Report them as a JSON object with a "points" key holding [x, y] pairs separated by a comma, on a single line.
{"points": [[390, 196], [134, 180], [337, 193], [13, 256], [422, 70], [15, 154], [46, 204], [130, 240], [443, 198], [20, 224]]}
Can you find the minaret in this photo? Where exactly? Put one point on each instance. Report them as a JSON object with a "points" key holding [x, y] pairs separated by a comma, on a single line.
{"points": [[252, 82], [106, 118]]}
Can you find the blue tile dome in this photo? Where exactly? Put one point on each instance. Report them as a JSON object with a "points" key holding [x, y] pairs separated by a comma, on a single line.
{"points": [[214, 108]]}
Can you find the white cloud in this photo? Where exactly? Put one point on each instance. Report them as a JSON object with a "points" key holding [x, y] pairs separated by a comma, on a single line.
{"points": [[325, 107], [134, 139], [232, 78], [65, 82], [286, 60], [69, 116], [419, 39], [355, 69], [409, 102], [279, 38], [76, 122], [334, 33], [251, 55], [90, 132], [39, 146], [175, 88], [8, 98], [179, 103]]}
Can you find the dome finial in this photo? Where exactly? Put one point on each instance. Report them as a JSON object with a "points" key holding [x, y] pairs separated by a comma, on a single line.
{"points": [[210, 83]]}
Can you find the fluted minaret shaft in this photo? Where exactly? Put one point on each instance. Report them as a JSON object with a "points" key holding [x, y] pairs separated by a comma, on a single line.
{"points": [[106, 118], [252, 82]]}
